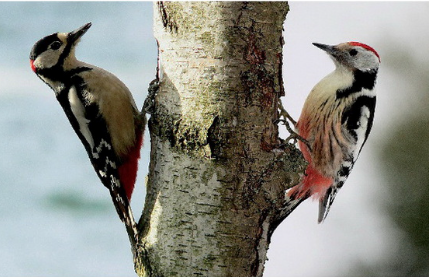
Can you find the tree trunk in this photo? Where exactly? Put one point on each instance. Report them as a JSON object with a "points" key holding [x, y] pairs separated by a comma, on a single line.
{"points": [[218, 172]]}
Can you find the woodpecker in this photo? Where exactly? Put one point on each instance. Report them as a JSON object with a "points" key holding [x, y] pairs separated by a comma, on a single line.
{"points": [[335, 122], [101, 111]]}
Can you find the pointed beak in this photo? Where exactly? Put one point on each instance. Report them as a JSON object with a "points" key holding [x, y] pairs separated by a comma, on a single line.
{"points": [[328, 48], [75, 35]]}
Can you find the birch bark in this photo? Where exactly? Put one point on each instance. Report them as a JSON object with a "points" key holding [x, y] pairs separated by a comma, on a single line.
{"points": [[217, 177]]}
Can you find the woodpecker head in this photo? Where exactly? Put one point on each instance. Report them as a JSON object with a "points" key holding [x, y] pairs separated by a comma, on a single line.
{"points": [[56, 50], [353, 56]]}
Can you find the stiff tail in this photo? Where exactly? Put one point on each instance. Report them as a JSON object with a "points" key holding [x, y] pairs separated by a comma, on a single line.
{"points": [[123, 208], [325, 203]]}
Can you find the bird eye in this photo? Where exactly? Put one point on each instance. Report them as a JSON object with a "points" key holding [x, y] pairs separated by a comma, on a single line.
{"points": [[353, 52], [55, 45]]}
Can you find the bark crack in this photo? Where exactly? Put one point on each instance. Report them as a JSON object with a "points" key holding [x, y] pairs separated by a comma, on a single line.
{"points": [[167, 20]]}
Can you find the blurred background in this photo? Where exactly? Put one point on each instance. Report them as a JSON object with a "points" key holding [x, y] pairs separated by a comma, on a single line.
{"points": [[57, 220]]}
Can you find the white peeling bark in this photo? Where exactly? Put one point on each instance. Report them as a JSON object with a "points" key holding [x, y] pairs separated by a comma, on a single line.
{"points": [[217, 176]]}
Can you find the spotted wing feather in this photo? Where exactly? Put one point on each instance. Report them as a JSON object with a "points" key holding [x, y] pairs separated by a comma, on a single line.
{"points": [[91, 128], [357, 122]]}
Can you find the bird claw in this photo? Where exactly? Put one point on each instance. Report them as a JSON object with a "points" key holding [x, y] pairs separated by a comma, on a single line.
{"points": [[284, 117], [285, 114], [294, 136], [149, 103]]}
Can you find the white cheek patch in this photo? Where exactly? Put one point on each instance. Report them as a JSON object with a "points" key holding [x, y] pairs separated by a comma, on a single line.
{"points": [[79, 112], [367, 61], [47, 59]]}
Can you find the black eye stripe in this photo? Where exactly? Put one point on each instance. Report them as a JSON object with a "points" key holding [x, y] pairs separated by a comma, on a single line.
{"points": [[42, 45]]}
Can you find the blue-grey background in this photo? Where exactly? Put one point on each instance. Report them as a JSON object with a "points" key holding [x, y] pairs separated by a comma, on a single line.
{"points": [[56, 218]]}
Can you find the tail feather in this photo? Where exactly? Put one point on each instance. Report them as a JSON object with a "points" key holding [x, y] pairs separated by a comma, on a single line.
{"points": [[123, 208], [110, 174], [325, 203]]}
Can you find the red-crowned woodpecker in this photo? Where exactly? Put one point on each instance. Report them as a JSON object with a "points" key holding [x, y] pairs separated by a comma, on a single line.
{"points": [[335, 122], [100, 109]]}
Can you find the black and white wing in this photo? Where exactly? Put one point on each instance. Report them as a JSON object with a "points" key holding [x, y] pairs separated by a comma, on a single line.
{"points": [[357, 122]]}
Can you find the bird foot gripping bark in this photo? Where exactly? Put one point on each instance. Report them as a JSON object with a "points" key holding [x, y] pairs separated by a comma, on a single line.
{"points": [[149, 103], [285, 118]]}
